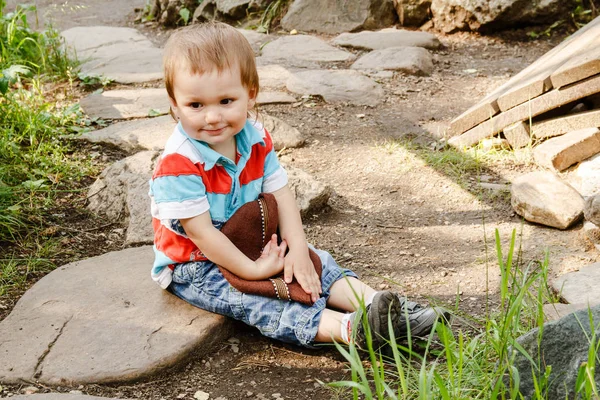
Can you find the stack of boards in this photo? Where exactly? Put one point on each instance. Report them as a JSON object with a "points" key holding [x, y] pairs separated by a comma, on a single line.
{"points": [[559, 94]]}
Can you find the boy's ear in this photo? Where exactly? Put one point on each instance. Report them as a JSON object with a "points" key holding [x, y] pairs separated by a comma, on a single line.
{"points": [[173, 110], [251, 98]]}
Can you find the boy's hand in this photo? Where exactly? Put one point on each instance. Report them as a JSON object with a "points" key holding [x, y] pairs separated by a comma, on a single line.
{"points": [[300, 266], [272, 258]]}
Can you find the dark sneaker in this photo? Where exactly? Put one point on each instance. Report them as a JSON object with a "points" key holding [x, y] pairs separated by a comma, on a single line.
{"points": [[418, 319], [384, 304]]}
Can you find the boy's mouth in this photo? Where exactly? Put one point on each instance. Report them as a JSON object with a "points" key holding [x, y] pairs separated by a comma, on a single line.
{"points": [[214, 131]]}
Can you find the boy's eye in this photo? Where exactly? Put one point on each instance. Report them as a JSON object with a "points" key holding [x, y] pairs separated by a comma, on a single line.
{"points": [[226, 101], [195, 105]]}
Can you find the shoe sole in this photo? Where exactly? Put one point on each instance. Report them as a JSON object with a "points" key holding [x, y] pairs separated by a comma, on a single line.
{"points": [[384, 304]]}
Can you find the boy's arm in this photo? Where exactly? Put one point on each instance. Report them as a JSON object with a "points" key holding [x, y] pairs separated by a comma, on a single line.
{"points": [[297, 262], [219, 249]]}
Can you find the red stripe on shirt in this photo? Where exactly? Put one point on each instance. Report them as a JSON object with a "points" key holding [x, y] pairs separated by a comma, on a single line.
{"points": [[175, 165], [176, 247], [255, 166], [217, 180]]}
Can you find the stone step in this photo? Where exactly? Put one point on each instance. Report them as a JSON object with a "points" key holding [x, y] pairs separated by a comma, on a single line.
{"points": [[103, 320], [121, 54], [386, 38], [579, 287]]}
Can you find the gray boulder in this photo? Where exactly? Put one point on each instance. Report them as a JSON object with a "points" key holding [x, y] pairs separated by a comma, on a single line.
{"points": [[564, 347], [490, 15], [301, 51], [336, 16], [543, 198]]}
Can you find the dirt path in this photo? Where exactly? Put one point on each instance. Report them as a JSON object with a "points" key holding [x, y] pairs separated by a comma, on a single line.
{"points": [[395, 218]]}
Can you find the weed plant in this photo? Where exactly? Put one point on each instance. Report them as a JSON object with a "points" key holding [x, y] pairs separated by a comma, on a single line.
{"points": [[472, 363], [35, 157]]}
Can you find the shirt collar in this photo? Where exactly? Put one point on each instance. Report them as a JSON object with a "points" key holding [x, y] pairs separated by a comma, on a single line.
{"points": [[246, 138]]}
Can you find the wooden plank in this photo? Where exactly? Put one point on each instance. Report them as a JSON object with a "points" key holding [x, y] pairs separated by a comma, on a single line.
{"points": [[561, 125], [583, 65], [537, 106], [524, 80], [537, 79]]}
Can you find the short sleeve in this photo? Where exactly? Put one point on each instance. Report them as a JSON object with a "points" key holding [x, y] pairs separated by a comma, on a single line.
{"points": [[275, 176]]}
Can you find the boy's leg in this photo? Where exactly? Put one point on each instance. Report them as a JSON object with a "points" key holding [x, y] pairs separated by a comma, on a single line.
{"points": [[345, 294], [330, 327]]}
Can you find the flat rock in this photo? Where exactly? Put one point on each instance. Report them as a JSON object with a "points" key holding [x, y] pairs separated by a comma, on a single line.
{"points": [[146, 134], [543, 198], [283, 135], [556, 311], [561, 152], [580, 287], [274, 98], [102, 320], [386, 38], [337, 86], [592, 209], [311, 195], [121, 54], [60, 396], [301, 51], [410, 60], [125, 104], [272, 76], [121, 193], [587, 177], [561, 125]]}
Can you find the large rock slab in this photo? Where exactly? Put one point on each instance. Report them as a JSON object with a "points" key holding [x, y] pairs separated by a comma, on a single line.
{"points": [[301, 51], [580, 287], [543, 198], [131, 136], [121, 54], [410, 60], [102, 320], [121, 193], [125, 104], [387, 38], [564, 346], [485, 15], [256, 39], [337, 86], [561, 152], [335, 16]]}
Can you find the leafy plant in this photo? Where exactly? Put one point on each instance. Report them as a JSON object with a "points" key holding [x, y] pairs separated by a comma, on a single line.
{"points": [[272, 15]]}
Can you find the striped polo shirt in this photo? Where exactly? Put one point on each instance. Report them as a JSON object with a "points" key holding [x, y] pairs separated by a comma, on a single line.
{"points": [[190, 178]]}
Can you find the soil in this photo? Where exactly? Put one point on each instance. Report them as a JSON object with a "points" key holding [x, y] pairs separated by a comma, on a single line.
{"points": [[398, 219]]}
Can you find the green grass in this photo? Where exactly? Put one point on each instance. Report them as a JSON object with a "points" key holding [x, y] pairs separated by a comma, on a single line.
{"points": [[36, 157], [474, 361]]}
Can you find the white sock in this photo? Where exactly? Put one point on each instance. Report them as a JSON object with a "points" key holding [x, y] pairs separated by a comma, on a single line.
{"points": [[370, 299], [346, 327]]}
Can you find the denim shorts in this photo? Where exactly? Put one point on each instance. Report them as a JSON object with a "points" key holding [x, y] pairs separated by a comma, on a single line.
{"points": [[202, 285]]}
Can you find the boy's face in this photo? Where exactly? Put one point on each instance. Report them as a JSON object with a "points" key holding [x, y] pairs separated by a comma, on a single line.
{"points": [[213, 106]]}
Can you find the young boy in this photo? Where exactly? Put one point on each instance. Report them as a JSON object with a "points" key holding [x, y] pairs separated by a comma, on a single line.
{"points": [[217, 160]]}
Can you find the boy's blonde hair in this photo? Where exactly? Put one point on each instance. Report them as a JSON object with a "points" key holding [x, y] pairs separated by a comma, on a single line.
{"points": [[203, 47]]}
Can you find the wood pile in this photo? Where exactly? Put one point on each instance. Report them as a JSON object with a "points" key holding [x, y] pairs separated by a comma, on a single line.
{"points": [[559, 94]]}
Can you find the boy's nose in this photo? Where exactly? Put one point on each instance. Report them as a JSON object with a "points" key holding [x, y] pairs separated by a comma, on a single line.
{"points": [[213, 116]]}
